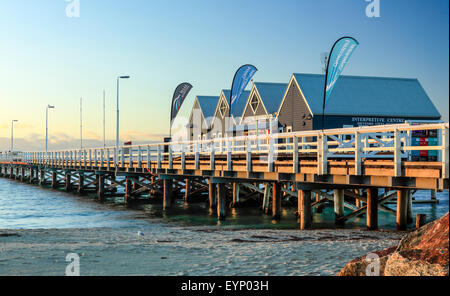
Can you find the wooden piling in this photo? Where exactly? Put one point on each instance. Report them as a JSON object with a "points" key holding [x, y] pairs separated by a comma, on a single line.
{"points": [[409, 214], [128, 189], [402, 209], [101, 188], [31, 177], [167, 193], [68, 185], [266, 198], [339, 206], [22, 174], [276, 200], [212, 188], [236, 189], [41, 177], [54, 180], [372, 209], [420, 220], [80, 183], [187, 190], [304, 208], [358, 201], [221, 201], [433, 194]]}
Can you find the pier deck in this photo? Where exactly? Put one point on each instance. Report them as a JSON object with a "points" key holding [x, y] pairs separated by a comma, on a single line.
{"points": [[351, 163]]}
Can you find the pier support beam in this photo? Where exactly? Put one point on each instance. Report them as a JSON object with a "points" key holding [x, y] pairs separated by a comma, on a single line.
{"points": [[402, 209], [304, 209], [54, 180], [167, 193], [187, 190], [433, 195], [80, 183], [276, 201], [236, 189], [372, 208], [221, 201], [101, 188], [31, 177], [339, 206], [358, 201], [212, 188], [128, 189], [409, 215], [266, 199], [41, 177], [68, 185], [22, 174]]}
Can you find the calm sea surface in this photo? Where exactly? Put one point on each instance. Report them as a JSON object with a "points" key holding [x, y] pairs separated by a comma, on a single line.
{"points": [[24, 206]]}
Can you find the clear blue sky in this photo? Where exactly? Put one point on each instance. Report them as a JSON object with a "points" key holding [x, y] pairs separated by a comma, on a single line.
{"points": [[46, 57]]}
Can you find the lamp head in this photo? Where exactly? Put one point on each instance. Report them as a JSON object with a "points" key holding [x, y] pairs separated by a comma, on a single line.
{"points": [[50, 107], [124, 77]]}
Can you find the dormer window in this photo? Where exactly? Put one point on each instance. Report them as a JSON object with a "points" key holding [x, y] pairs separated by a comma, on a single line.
{"points": [[223, 109], [254, 103]]}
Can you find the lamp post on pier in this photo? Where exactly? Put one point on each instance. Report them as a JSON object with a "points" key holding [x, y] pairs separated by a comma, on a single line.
{"points": [[12, 134], [117, 121], [46, 125]]}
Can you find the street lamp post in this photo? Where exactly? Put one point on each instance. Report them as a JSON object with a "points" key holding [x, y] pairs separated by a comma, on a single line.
{"points": [[46, 125], [12, 134], [117, 120]]}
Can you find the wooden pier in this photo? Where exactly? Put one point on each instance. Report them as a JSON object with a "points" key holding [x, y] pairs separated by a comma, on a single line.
{"points": [[361, 169]]}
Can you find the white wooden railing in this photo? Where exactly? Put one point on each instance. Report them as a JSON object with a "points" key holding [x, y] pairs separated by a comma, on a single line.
{"points": [[384, 141]]}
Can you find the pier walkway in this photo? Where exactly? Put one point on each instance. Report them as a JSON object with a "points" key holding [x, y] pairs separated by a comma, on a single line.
{"points": [[362, 169]]}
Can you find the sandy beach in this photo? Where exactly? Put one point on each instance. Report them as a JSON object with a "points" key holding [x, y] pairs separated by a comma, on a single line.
{"points": [[176, 250]]}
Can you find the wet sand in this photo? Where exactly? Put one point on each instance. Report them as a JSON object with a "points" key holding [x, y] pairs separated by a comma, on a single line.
{"points": [[178, 250]]}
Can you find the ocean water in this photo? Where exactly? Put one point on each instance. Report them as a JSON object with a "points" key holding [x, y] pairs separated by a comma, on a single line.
{"points": [[24, 206]]}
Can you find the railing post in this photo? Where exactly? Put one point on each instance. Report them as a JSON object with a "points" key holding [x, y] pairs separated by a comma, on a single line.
{"points": [[102, 157], [90, 158], [123, 156], [229, 155], [358, 153], [249, 155], [139, 157], [159, 156], [107, 158], [170, 157], [270, 167], [397, 153], [197, 156], [183, 159], [295, 170], [212, 161], [445, 151], [322, 154], [148, 157], [85, 158]]}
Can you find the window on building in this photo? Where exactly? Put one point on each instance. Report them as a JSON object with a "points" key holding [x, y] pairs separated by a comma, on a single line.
{"points": [[254, 103], [223, 109]]}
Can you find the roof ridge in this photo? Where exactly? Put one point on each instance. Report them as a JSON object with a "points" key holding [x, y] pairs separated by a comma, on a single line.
{"points": [[361, 77], [281, 83]]}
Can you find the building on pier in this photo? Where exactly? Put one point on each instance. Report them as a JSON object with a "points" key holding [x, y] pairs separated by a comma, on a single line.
{"points": [[219, 125], [261, 105], [201, 117], [355, 101]]}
